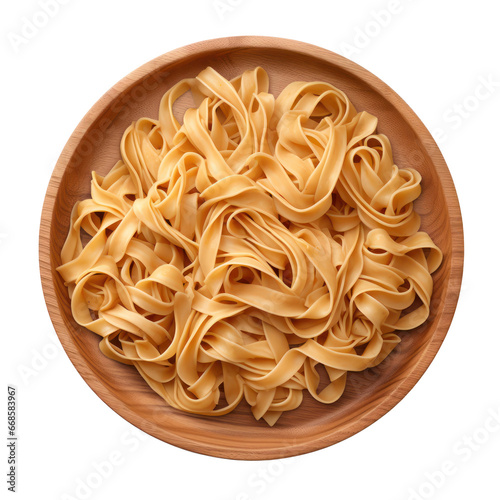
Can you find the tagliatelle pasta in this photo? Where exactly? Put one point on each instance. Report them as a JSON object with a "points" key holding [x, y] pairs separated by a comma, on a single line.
{"points": [[233, 255]]}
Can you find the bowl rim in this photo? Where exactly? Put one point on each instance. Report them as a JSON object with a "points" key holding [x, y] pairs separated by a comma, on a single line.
{"points": [[451, 290]]}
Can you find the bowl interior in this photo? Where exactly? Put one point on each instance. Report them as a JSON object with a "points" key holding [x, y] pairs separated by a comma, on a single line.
{"points": [[369, 394]]}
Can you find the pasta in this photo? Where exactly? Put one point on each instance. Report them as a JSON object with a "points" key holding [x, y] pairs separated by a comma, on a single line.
{"points": [[239, 252]]}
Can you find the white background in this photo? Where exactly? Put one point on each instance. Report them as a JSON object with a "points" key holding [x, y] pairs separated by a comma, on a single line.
{"points": [[436, 56]]}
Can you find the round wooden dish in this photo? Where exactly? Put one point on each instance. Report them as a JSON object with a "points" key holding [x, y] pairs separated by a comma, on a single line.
{"points": [[94, 145]]}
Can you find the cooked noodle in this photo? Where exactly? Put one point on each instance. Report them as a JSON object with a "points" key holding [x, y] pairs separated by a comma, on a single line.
{"points": [[234, 254]]}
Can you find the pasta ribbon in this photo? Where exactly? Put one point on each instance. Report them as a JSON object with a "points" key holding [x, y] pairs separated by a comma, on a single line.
{"points": [[234, 251]]}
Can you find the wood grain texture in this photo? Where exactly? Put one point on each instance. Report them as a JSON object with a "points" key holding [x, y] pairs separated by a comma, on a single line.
{"points": [[94, 145]]}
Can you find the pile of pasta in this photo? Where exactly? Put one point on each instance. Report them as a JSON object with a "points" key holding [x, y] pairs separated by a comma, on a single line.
{"points": [[241, 250]]}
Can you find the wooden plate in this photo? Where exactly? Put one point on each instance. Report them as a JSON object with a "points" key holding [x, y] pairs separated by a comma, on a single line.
{"points": [[94, 145]]}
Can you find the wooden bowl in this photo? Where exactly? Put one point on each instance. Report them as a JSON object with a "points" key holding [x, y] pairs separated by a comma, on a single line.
{"points": [[94, 145]]}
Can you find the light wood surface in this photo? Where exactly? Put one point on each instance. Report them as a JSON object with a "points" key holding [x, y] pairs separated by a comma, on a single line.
{"points": [[94, 145]]}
